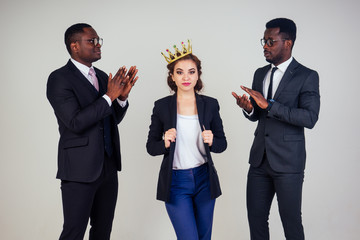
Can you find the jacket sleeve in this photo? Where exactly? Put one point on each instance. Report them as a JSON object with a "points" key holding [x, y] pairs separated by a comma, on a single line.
{"points": [[219, 141], [155, 143], [307, 112], [254, 116], [118, 111]]}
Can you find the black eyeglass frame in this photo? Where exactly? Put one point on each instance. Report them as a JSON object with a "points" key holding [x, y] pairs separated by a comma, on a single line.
{"points": [[94, 41], [270, 42]]}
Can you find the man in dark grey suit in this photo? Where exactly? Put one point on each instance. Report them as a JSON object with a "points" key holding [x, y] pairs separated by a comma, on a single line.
{"points": [[284, 99], [88, 105]]}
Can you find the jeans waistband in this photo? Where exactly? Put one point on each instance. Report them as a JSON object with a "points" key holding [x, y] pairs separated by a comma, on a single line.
{"points": [[194, 170]]}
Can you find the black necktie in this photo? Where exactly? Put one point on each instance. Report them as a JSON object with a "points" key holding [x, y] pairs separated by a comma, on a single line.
{"points": [[269, 95]]}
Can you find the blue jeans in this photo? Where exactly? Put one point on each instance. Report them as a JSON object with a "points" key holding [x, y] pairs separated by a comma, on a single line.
{"points": [[190, 207]]}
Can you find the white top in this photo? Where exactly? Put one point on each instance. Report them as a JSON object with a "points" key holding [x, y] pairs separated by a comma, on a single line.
{"points": [[189, 148]]}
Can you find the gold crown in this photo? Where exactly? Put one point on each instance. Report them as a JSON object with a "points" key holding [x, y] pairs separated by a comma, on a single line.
{"points": [[178, 54]]}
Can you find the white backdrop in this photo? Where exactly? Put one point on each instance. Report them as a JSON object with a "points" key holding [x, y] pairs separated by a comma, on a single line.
{"points": [[226, 37]]}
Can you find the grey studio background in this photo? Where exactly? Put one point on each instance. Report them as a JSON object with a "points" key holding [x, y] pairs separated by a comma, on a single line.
{"points": [[226, 37]]}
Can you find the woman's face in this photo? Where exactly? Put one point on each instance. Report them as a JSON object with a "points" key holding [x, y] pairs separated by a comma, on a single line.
{"points": [[185, 75]]}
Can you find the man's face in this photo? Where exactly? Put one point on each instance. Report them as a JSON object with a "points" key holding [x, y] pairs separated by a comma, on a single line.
{"points": [[84, 50], [279, 50]]}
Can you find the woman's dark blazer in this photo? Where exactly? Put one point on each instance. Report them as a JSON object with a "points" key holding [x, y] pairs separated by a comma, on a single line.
{"points": [[163, 118]]}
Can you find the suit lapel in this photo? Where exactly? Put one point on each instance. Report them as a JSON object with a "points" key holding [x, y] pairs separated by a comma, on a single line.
{"points": [[259, 84], [200, 104], [82, 79], [102, 83], [200, 108], [173, 117], [287, 77], [173, 110]]}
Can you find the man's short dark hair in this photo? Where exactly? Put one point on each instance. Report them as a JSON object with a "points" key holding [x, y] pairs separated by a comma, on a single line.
{"points": [[71, 32], [287, 27]]}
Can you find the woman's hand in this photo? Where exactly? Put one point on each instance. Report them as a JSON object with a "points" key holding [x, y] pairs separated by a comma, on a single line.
{"points": [[169, 137], [208, 136]]}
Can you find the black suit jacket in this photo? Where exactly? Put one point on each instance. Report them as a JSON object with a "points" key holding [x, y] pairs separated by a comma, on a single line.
{"points": [[163, 118], [280, 131], [80, 111]]}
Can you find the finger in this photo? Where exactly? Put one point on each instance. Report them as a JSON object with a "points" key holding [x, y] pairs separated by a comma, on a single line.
{"points": [[119, 72], [110, 77], [171, 131], [117, 77], [245, 89], [134, 81], [203, 127], [133, 71], [134, 74], [245, 98], [171, 137], [122, 72], [127, 73], [124, 81], [248, 90], [235, 95]]}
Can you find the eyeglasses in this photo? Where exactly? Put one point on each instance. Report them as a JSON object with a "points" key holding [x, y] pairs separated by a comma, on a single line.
{"points": [[94, 41], [270, 42]]}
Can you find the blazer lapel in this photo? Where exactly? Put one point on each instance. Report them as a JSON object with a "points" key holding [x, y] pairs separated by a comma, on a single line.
{"points": [[200, 108], [259, 83], [173, 110], [173, 117], [287, 77], [82, 79], [102, 83]]}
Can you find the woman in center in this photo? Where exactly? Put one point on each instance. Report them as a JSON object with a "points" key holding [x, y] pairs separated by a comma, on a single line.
{"points": [[185, 128]]}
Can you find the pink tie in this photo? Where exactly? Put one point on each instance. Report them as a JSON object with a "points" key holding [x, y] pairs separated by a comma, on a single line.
{"points": [[94, 78]]}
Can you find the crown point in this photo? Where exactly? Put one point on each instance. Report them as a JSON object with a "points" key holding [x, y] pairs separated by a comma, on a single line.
{"points": [[178, 54]]}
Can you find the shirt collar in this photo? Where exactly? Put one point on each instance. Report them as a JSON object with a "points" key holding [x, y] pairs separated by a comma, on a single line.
{"points": [[83, 68], [283, 66]]}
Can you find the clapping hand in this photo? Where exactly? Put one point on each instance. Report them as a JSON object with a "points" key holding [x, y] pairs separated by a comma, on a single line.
{"points": [[129, 82], [243, 102], [120, 85], [257, 96]]}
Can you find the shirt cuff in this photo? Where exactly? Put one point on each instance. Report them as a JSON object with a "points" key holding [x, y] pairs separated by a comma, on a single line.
{"points": [[107, 98], [249, 114], [122, 103]]}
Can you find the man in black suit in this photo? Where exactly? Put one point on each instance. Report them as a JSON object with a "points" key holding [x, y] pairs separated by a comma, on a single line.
{"points": [[88, 105], [284, 99]]}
